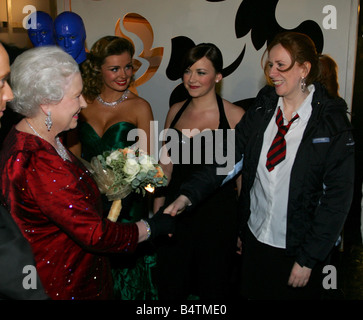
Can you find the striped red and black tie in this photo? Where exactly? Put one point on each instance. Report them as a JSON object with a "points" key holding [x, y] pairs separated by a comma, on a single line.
{"points": [[277, 151]]}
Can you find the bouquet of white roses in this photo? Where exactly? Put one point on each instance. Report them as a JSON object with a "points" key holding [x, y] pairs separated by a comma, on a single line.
{"points": [[122, 171]]}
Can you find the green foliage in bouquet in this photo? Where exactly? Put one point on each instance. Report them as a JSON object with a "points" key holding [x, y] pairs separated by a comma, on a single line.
{"points": [[122, 171]]}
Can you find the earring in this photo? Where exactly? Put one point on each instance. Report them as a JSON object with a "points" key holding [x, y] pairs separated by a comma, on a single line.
{"points": [[303, 84], [48, 121]]}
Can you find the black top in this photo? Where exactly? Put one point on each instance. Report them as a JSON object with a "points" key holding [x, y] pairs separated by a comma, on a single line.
{"points": [[189, 155]]}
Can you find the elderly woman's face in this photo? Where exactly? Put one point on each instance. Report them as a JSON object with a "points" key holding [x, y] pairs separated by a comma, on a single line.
{"points": [[6, 94], [65, 113]]}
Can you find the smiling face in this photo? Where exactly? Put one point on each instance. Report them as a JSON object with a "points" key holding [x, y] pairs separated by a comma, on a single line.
{"points": [[6, 93], [65, 113], [117, 72], [200, 78], [287, 83]]}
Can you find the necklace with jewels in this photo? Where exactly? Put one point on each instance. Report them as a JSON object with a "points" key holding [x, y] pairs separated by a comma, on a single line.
{"points": [[61, 150], [114, 103]]}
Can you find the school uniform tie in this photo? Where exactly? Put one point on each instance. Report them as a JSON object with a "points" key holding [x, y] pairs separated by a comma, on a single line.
{"points": [[277, 151]]}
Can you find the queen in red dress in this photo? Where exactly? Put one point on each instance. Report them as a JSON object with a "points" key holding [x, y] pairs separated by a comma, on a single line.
{"points": [[52, 198]]}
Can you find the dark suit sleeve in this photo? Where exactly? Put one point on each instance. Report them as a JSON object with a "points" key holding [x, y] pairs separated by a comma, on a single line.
{"points": [[15, 254]]}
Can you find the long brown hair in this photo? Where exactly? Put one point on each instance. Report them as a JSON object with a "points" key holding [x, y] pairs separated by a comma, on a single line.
{"points": [[91, 68]]}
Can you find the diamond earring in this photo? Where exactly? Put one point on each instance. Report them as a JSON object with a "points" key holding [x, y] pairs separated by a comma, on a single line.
{"points": [[48, 121], [303, 84]]}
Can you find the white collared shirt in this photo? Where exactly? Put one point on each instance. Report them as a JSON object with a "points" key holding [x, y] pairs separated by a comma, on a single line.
{"points": [[270, 191]]}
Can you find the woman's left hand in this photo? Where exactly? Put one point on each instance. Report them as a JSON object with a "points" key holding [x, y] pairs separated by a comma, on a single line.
{"points": [[299, 276], [239, 246]]}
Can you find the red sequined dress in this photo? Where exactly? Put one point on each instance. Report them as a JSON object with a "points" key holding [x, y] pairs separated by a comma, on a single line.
{"points": [[57, 206]]}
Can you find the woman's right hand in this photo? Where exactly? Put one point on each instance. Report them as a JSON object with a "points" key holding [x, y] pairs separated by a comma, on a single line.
{"points": [[178, 206]]}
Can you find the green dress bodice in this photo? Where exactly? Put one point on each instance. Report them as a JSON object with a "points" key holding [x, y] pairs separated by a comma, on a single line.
{"points": [[132, 274], [114, 138]]}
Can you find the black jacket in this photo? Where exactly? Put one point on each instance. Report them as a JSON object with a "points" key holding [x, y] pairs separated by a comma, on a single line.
{"points": [[15, 254], [322, 176]]}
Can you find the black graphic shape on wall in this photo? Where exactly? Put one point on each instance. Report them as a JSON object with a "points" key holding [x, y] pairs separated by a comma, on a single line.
{"points": [[179, 46], [234, 65], [258, 16], [255, 16], [174, 71]]}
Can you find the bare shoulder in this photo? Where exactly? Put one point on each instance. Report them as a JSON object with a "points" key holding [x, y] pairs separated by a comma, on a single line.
{"points": [[174, 109], [233, 112], [139, 108], [139, 101]]}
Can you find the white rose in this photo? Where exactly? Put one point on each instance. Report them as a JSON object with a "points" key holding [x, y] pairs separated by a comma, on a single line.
{"points": [[113, 156], [131, 168], [146, 163]]}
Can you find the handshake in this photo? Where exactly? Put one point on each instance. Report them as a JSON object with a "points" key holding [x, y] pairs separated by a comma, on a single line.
{"points": [[163, 221]]}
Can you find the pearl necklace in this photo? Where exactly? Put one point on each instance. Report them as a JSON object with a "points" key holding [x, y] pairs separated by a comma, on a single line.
{"points": [[114, 103], [61, 150]]}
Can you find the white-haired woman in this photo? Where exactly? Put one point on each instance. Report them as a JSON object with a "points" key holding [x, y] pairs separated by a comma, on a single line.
{"points": [[49, 193]]}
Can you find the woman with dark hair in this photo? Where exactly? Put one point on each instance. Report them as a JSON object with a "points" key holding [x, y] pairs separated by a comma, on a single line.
{"points": [[198, 258], [113, 113], [297, 150]]}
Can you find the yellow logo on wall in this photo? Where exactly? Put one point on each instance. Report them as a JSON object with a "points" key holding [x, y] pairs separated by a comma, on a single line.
{"points": [[138, 25]]}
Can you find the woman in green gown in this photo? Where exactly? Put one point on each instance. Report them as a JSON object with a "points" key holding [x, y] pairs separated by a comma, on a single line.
{"points": [[113, 111]]}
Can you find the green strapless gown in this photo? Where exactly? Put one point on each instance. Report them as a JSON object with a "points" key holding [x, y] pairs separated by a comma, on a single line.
{"points": [[132, 273]]}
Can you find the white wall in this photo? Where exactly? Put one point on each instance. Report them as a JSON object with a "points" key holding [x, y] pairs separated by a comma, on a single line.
{"points": [[204, 21]]}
